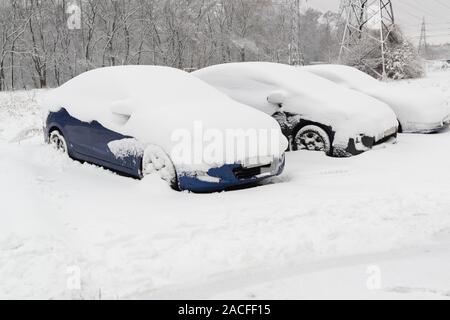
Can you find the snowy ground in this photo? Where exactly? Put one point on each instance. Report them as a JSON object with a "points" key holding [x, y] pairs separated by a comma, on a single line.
{"points": [[373, 226]]}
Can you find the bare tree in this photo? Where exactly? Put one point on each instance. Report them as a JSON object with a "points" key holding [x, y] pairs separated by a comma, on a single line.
{"points": [[38, 49]]}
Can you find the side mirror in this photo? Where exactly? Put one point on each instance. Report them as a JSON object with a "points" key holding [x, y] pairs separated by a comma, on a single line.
{"points": [[122, 111], [121, 107], [277, 97]]}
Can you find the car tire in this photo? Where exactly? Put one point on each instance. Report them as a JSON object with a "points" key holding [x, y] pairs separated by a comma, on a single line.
{"points": [[58, 142], [156, 161], [312, 138]]}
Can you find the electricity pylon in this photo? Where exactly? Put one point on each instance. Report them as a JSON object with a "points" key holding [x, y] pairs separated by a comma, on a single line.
{"points": [[423, 40], [295, 49], [368, 25]]}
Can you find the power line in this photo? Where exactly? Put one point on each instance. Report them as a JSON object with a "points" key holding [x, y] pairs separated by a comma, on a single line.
{"points": [[443, 4], [416, 6]]}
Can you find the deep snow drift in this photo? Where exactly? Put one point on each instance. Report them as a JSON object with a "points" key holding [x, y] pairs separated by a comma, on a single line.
{"points": [[313, 232]]}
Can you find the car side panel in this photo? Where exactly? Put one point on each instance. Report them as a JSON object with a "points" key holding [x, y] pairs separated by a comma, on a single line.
{"points": [[89, 142]]}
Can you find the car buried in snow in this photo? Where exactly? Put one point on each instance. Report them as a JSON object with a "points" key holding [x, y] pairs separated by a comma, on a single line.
{"points": [[418, 110], [142, 120], [315, 114]]}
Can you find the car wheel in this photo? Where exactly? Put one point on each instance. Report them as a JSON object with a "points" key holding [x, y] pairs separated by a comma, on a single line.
{"points": [[312, 138], [58, 142], [156, 161]]}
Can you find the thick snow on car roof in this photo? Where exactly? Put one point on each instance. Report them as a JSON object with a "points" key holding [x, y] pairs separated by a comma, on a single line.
{"points": [[157, 100], [132, 89], [298, 84], [311, 96]]}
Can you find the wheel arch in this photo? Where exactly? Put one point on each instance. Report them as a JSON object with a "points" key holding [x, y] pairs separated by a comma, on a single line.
{"points": [[55, 128], [52, 127]]}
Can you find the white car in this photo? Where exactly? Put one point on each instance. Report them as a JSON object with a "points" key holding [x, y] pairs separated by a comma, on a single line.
{"points": [[418, 110], [142, 120], [315, 114]]}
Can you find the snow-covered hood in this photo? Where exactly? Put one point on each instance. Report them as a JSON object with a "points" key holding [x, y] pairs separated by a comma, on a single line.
{"points": [[347, 111], [160, 105]]}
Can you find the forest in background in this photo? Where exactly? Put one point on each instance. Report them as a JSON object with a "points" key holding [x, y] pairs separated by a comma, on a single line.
{"points": [[44, 43]]}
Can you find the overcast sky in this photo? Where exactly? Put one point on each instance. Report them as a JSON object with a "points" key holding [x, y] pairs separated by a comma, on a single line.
{"points": [[409, 15]]}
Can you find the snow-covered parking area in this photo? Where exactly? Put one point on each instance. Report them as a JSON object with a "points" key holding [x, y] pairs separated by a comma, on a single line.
{"points": [[372, 226]]}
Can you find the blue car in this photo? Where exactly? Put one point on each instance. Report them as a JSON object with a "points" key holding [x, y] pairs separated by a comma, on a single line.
{"points": [[125, 120]]}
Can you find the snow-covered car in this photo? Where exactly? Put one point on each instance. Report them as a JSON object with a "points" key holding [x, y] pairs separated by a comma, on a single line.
{"points": [[136, 120], [315, 114], [418, 110]]}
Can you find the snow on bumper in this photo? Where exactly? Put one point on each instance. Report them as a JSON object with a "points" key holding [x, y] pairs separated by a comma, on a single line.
{"points": [[387, 134], [230, 176], [363, 143], [418, 127]]}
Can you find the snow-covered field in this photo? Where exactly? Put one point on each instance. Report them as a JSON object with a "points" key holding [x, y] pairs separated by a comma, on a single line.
{"points": [[373, 226]]}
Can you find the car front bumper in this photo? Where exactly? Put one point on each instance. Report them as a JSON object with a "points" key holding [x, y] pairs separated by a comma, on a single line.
{"points": [[425, 128], [363, 143], [229, 177]]}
